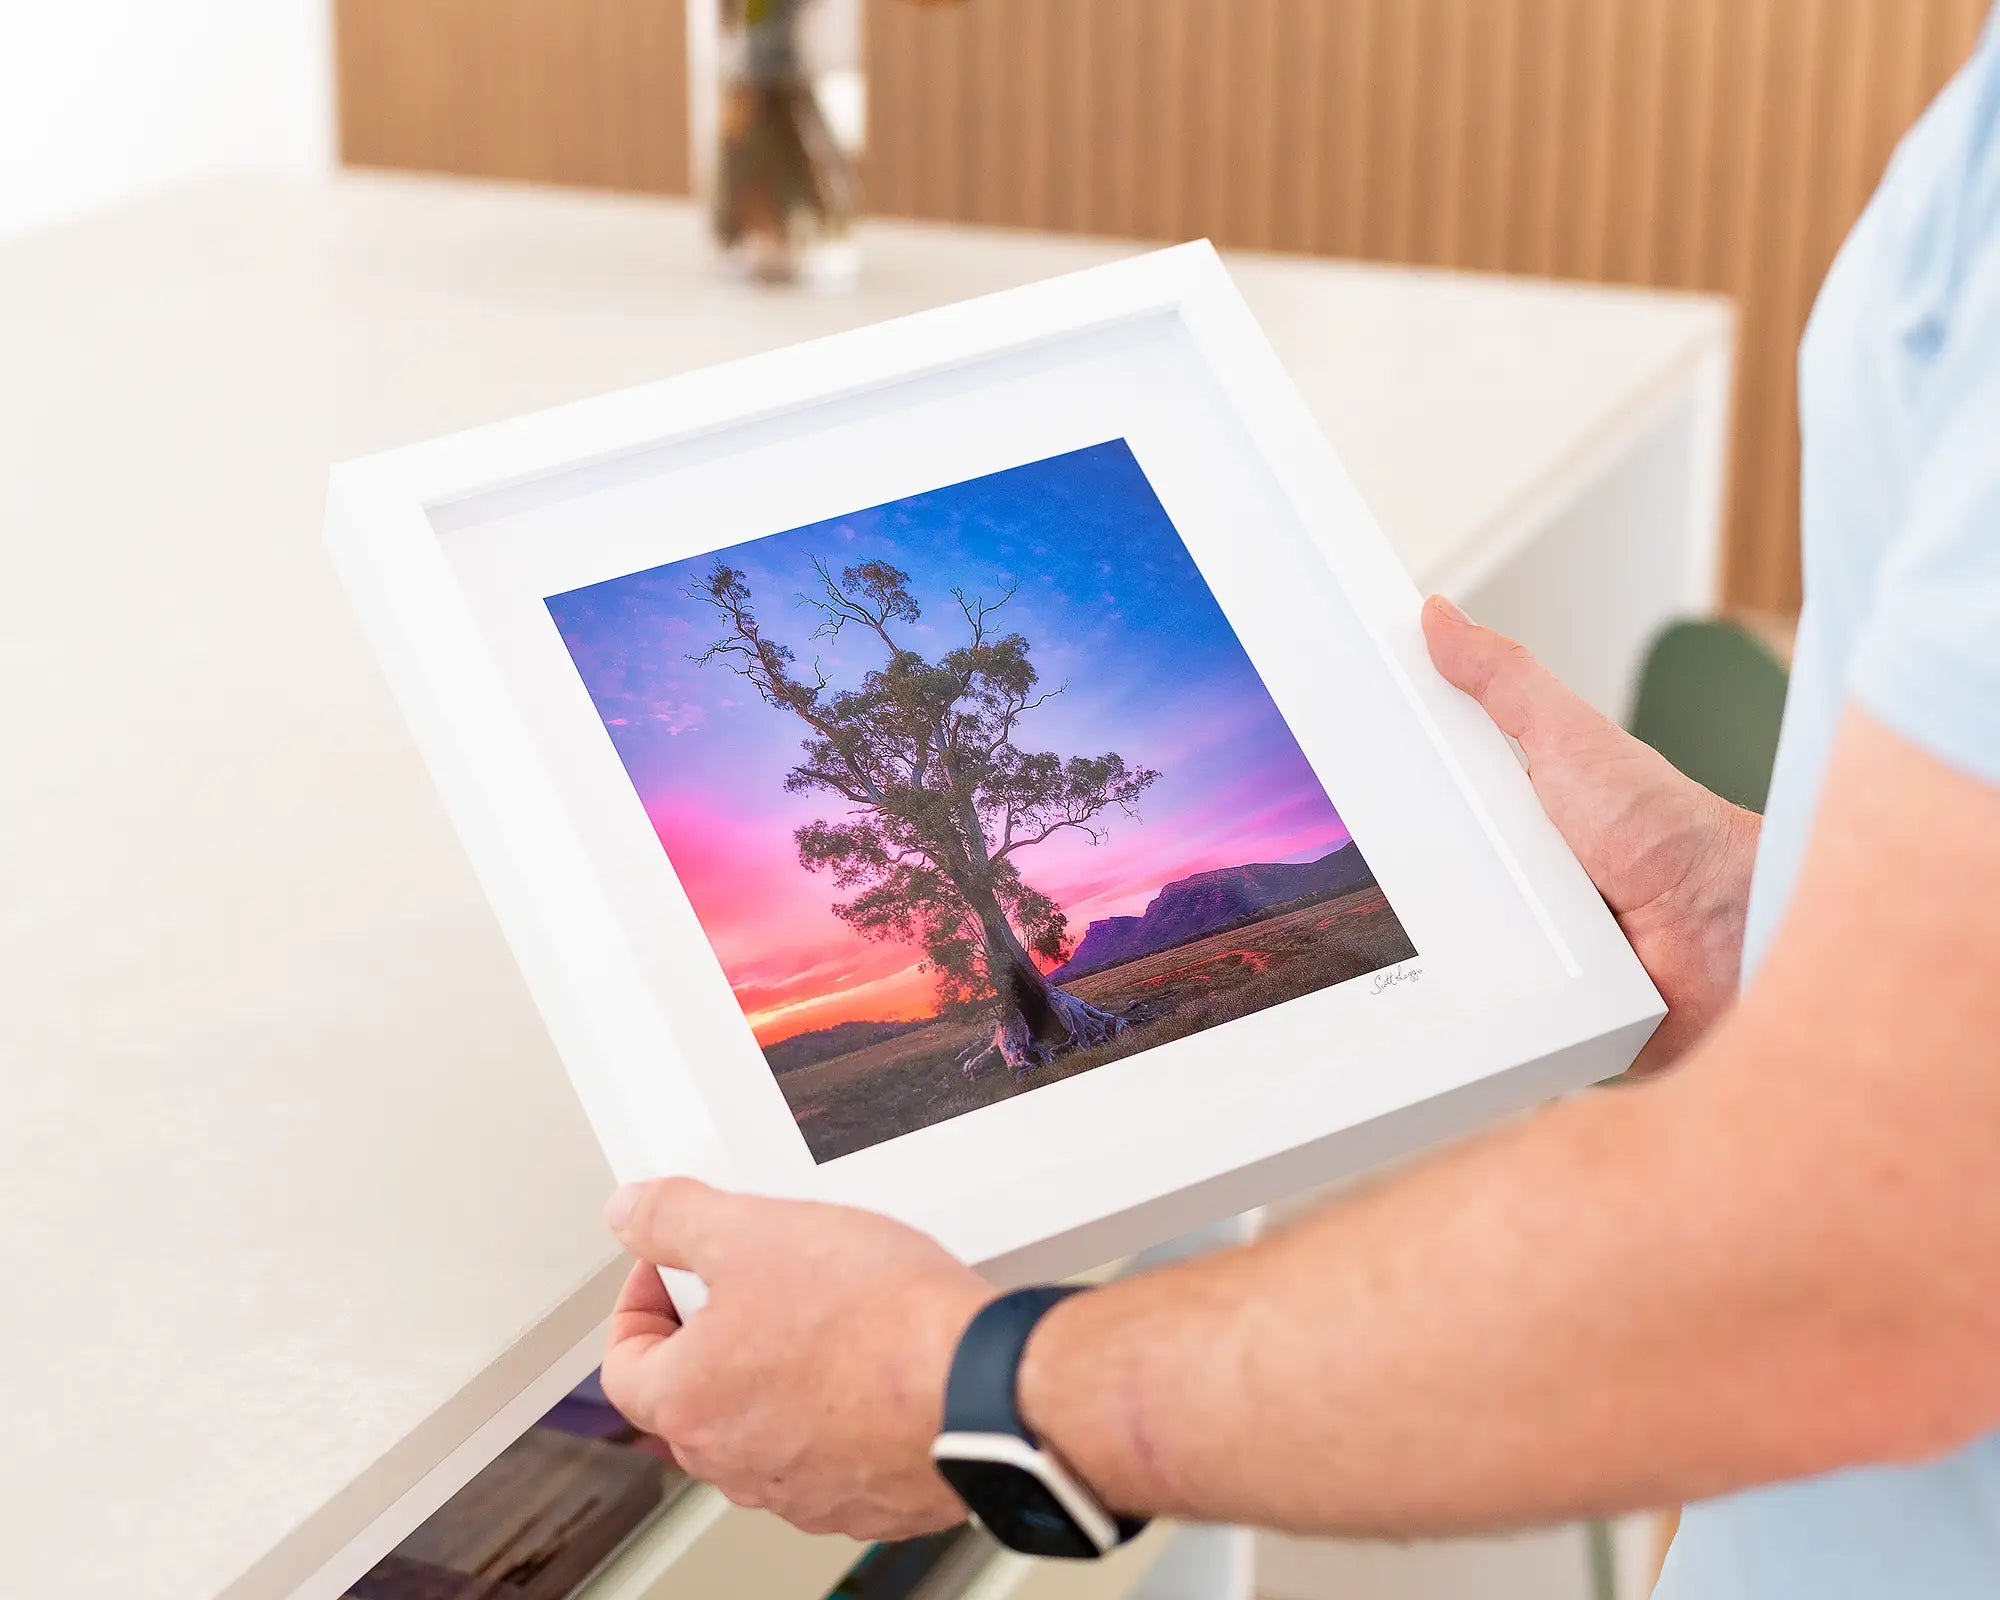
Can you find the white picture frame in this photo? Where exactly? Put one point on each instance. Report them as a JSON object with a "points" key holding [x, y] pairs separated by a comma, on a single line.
{"points": [[1522, 986]]}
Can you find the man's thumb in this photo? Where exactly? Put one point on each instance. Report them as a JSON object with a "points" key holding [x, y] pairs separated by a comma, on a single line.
{"points": [[1525, 700], [671, 1222]]}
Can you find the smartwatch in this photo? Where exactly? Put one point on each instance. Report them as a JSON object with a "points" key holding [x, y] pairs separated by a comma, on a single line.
{"points": [[1015, 1488]]}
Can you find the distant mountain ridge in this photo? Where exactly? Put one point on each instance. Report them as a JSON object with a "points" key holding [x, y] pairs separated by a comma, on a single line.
{"points": [[1185, 910], [1192, 908]]}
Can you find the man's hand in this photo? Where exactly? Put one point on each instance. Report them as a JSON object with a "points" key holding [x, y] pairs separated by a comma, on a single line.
{"points": [[1671, 859], [812, 1382]]}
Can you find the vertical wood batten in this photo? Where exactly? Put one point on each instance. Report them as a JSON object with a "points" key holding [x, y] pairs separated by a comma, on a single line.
{"points": [[1542, 186], [936, 80], [1492, 128], [1299, 173], [1364, 195], [1444, 57], [1598, 186]]}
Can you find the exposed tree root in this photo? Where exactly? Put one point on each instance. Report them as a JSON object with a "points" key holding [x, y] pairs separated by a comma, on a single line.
{"points": [[1082, 1026]]}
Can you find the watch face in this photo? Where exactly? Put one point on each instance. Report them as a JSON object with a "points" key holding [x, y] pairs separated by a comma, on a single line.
{"points": [[1017, 1509]]}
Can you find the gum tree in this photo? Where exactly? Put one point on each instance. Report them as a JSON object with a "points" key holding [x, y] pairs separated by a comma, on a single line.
{"points": [[941, 799]]}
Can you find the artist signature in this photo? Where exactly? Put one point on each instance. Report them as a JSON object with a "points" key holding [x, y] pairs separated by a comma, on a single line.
{"points": [[1395, 975]]}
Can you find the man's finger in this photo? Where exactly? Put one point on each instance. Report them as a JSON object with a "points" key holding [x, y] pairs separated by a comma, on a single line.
{"points": [[663, 1450], [645, 1310], [641, 1327], [1525, 700], [672, 1222]]}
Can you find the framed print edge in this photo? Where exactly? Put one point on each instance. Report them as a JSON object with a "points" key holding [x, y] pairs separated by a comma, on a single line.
{"points": [[522, 849], [1324, 498], [582, 967], [1325, 1162]]}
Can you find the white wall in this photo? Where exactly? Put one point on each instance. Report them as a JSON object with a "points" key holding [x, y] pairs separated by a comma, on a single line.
{"points": [[104, 100]]}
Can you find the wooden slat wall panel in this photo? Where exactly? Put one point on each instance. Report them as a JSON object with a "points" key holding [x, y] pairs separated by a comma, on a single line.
{"points": [[1724, 145], [546, 91]]}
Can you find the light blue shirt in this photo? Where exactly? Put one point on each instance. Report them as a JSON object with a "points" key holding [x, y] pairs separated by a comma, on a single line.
{"points": [[1900, 400]]}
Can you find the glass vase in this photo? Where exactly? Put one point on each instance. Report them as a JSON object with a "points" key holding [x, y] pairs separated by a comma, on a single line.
{"points": [[779, 112]]}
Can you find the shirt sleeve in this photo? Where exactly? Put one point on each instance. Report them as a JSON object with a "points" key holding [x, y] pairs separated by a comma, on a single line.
{"points": [[1928, 661]]}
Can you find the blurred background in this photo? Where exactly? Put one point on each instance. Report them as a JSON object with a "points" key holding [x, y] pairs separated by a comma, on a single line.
{"points": [[105, 100], [1720, 145], [1552, 451]]}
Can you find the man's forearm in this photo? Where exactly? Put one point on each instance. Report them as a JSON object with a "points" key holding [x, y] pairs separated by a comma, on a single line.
{"points": [[1637, 1298], [1411, 1360]]}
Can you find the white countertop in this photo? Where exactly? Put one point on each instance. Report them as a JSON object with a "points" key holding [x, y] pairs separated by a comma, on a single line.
{"points": [[293, 1193]]}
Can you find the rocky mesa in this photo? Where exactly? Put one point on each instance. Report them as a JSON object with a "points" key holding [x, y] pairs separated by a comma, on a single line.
{"points": [[1191, 908]]}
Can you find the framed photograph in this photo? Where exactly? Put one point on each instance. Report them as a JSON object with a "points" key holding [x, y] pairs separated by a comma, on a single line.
{"points": [[984, 768]]}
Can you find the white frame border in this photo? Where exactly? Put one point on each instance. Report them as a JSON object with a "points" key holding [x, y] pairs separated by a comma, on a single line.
{"points": [[536, 869]]}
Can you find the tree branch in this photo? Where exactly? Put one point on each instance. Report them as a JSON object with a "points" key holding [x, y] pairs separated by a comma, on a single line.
{"points": [[764, 662], [840, 608], [1080, 823]]}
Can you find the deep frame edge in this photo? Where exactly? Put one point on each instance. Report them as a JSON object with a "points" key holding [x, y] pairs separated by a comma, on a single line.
{"points": [[457, 771], [1334, 1158], [410, 470]]}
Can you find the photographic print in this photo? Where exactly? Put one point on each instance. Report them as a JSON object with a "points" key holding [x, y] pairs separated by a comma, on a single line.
{"points": [[974, 791]]}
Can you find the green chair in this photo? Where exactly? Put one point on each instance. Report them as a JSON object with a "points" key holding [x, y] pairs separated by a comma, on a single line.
{"points": [[1711, 695]]}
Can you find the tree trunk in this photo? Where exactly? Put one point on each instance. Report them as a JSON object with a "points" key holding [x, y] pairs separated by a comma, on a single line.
{"points": [[1037, 1021]]}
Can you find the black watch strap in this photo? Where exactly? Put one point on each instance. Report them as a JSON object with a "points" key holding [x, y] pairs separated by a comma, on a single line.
{"points": [[981, 1396]]}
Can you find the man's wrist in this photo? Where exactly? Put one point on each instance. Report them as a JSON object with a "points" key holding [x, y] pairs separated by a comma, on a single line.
{"points": [[1040, 1385], [1691, 936], [1077, 1392], [1725, 899], [942, 1316]]}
